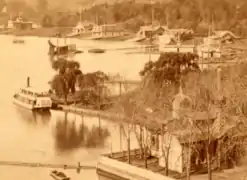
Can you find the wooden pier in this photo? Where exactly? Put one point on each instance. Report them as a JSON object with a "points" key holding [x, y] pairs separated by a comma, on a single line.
{"points": [[44, 165]]}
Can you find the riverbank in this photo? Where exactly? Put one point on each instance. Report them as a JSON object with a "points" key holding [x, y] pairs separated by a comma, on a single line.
{"points": [[118, 38], [104, 114], [109, 114], [40, 32], [51, 32]]}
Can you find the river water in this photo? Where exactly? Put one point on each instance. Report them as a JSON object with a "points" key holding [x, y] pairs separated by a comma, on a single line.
{"points": [[56, 137]]}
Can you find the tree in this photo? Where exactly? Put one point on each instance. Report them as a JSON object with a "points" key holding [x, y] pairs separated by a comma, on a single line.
{"points": [[160, 83], [206, 90], [47, 21], [150, 102], [69, 74], [169, 67]]}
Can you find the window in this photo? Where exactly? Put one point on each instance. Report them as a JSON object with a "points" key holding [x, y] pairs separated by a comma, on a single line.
{"points": [[155, 141]]}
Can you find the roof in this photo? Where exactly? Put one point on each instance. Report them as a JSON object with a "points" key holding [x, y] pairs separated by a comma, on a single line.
{"points": [[220, 34], [197, 130], [81, 25], [111, 27], [35, 90]]}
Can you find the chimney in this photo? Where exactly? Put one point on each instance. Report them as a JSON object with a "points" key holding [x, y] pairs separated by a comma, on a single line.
{"points": [[28, 81]]}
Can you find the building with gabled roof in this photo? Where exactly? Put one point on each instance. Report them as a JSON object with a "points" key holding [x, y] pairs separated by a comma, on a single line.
{"points": [[150, 31], [108, 30], [224, 36], [187, 127]]}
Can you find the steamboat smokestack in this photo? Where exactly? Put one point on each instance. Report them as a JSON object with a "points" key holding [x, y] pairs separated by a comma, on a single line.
{"points": [[28, 81]]}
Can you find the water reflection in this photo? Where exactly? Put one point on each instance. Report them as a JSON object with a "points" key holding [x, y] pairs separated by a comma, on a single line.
{"points": [[34, 117], [69, 135]]}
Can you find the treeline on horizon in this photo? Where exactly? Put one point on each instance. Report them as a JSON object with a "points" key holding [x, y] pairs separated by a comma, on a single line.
{"points": [[193, 14]]}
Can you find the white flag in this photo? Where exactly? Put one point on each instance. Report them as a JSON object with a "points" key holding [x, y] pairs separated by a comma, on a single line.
{"points": [[4, 10]]}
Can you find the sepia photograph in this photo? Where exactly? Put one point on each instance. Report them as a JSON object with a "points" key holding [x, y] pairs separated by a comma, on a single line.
{"points": [[123, 89]]}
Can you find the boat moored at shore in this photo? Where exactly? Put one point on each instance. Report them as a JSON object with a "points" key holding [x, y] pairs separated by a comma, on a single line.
{"points": [[32, 99], [97, 50], [18, 41]]}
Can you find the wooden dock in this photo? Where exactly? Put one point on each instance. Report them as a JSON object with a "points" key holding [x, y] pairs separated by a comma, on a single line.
{"points": [[44, 165]]}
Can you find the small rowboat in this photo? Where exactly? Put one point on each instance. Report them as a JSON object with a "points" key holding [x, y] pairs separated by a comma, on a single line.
{"points": [[18, 41], [59, 175], [96, 51], [78, 52]]}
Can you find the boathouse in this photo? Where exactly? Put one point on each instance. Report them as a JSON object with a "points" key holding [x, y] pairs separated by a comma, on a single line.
{"points": [[150, 31], [224, 36], [21, 24], [179, 48], [209, 51], [83, 27], [166, 39], [210, 48], [182, 34], [108, 30]]}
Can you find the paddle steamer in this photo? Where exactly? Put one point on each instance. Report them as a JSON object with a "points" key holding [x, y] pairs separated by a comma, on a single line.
{"points": [[32, 99]]}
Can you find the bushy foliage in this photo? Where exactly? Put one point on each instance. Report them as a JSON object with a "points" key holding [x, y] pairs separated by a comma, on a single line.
{"points": [[62, 64], [69, 74], [47, 21], [208, 88], [64, 82], [92, 87], [169, 67], [180, 14]]}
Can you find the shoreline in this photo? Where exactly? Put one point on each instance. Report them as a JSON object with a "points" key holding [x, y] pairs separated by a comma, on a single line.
{"points": [[107, 115], [51, 32], [40, 32]]}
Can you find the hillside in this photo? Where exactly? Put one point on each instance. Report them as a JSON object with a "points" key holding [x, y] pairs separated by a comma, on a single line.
{"points": [[73, 4], [194, 14]]}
